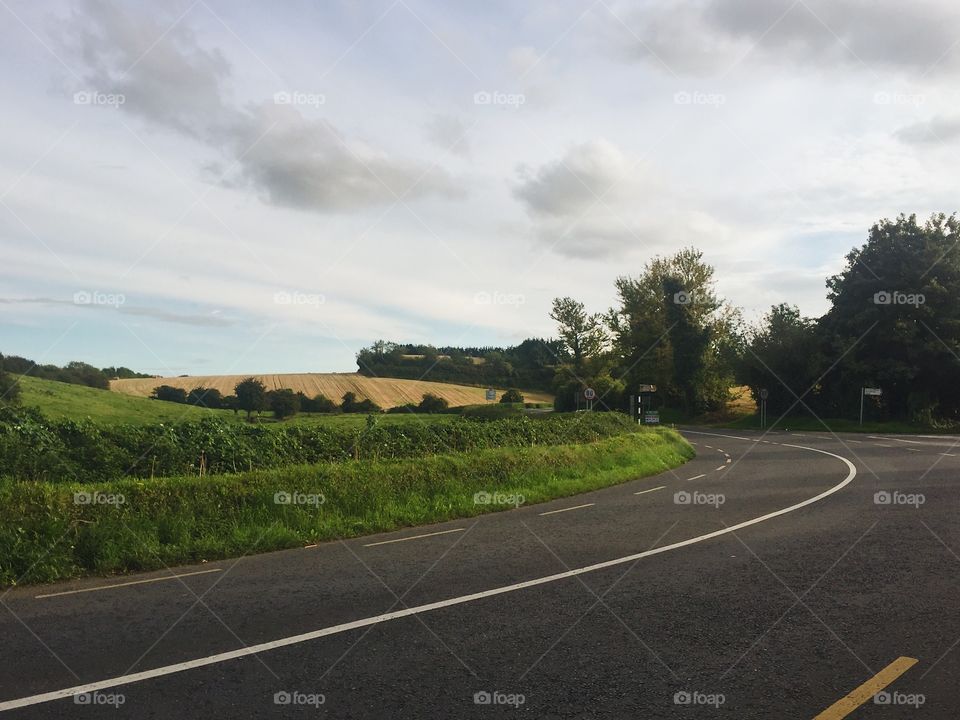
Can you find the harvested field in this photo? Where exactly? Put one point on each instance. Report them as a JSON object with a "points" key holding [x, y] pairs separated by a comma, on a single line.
{"points": [[385, 392]]}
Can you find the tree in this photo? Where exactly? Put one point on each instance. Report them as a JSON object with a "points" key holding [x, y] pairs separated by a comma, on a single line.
{"points": [[431, 403], [205, 397], [348, 403], [782, 356], [511, 396], [169, 394], [894, 321], [672, 331], [583, 335], [284, 403], [251, 396]]}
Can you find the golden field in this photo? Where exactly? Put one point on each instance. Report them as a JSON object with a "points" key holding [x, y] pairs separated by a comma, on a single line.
{"points": [[385, 392]]}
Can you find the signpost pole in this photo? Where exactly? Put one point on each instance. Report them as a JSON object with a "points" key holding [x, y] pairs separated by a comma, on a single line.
{"points": [[861, 405]]}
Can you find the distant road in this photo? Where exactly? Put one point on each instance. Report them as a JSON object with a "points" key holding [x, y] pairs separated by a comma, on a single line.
{"points": [[799, 574]]}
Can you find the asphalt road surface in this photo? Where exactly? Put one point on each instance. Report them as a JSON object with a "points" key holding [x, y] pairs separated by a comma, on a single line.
{"points": [[784, 575]]}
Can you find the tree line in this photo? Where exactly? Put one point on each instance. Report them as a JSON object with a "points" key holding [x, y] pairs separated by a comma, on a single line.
{"points": [[893, 324], [75, 372]]}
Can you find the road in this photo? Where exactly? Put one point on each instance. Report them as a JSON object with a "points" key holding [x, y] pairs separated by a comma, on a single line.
{"points": [[777, 585]]}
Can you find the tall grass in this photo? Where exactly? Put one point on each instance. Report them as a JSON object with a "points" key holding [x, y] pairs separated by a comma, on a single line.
{"points": [[45, 535]]}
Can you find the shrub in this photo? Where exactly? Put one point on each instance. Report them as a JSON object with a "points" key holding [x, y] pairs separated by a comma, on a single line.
{"points": [[511, 396], [432, 404]]}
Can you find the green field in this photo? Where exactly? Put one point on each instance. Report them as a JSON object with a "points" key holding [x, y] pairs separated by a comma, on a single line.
{"points": [[63, 401]]}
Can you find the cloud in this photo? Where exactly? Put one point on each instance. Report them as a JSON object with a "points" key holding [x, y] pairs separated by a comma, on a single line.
{"points": [[449, 134], [291, 160], [712, 35], [201, 320], [930, 132], [594, 202]]}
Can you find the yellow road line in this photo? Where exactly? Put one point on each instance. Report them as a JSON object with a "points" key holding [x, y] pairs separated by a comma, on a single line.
{"points": [[846, 705]]}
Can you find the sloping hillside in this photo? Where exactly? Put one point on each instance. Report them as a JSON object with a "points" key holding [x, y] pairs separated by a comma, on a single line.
{"points": [[385, 392]]}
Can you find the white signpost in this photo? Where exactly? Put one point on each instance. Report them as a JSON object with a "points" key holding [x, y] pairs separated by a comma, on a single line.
{"points": [[865, 391]]}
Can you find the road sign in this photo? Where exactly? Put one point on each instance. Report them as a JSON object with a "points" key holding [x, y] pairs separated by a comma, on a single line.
{"points": [[647, 388], [872, 391], [764, 394], [651, 417], [491, 394], [590, 393]]}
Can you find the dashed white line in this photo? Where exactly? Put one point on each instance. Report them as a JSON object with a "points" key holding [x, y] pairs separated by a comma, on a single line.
{"points": [[642, 492], [947, 454], [414, 537], [696, 477], [125, 584], [722, 467], [575, 507], [418, 609]]}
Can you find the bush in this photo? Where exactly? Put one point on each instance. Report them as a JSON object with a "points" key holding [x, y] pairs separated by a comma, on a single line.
{"points": [[432, 404], [511, 396], [168, 393]]}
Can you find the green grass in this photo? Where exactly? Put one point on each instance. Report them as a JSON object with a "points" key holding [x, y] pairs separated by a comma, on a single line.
{"points": [[46, 536], [63, 401]]}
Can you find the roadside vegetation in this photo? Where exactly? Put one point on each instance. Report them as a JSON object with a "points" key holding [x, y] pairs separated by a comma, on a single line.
{"points": [[57, 530]]}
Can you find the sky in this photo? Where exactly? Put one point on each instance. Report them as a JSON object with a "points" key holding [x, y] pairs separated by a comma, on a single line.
{"points": [[220, 186]]}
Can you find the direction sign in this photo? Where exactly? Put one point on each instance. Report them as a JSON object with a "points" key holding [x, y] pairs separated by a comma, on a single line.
{"points": [[491, 394], [872, 391], [647, 388], [589, 393], [651, 417]]}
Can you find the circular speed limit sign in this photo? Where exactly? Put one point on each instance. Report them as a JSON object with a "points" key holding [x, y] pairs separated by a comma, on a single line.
{"points": [[589, 393]]}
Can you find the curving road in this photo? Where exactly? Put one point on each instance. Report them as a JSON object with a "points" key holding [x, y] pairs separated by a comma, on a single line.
{"points": [[783, 575]]}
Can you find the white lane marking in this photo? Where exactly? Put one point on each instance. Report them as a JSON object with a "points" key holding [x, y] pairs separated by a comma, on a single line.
{"points": [[642, 492], [913, 450], [406, 612], [125, 584], [697, 477], [798, 434], [414, 537], [722, 467], [729, 460], [947, 454], [852, 440], [882, 445], [575, 507], [893, 439], [709, 446]]}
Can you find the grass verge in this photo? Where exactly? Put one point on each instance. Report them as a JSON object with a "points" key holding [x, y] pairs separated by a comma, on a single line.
{"points": [[45, 535]]}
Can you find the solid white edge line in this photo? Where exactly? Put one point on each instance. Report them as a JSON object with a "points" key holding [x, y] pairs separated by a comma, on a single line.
{"points": [[414, 537], [125, 584], [659, 487], [406, 612], [575, 507]]}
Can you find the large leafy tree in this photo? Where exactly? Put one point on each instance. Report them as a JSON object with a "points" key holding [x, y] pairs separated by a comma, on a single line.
{"points": [[671, 330], [894, 321], [781, 355], [251, 396]]}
